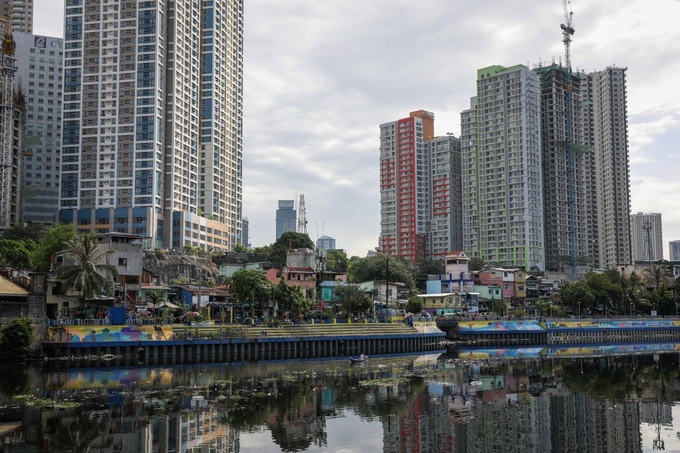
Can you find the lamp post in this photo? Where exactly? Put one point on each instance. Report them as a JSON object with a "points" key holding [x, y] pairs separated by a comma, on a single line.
{"points": [[579, 309]]}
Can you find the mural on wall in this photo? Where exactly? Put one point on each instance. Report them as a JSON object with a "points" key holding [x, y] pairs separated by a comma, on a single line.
{"points": [[499, 326], [609, 324], [94, 334]]}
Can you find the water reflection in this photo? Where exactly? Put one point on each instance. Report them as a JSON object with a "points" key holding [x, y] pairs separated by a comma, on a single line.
{"points": [[426, 403]]}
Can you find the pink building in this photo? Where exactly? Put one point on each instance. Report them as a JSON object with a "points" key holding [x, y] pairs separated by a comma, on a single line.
{"points": [[511, 281]]}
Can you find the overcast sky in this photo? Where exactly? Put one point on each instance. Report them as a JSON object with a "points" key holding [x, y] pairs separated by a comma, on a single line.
{"points": [[321, 76]]}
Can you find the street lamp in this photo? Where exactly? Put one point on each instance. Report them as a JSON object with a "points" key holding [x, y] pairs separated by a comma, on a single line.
{"points": [[579, 309]]}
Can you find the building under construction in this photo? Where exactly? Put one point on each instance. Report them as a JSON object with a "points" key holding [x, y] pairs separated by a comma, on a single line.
{"points": [[564, 159], [586, 184]]}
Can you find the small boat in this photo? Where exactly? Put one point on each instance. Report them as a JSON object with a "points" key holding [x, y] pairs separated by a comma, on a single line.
{"points": [[358, 359]]}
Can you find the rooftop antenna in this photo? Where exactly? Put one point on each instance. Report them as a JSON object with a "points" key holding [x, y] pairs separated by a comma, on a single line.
{"points": [[302, 216]]}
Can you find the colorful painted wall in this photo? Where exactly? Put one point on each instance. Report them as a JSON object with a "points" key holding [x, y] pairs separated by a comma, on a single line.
{"points": [[95, 334]]}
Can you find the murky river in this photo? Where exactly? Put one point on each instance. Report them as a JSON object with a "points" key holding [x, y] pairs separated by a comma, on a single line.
{"points": [[497, 401]]}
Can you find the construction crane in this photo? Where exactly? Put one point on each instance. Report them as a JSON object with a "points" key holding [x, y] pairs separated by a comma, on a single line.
{"points": [[7, 70], [567, 32]]}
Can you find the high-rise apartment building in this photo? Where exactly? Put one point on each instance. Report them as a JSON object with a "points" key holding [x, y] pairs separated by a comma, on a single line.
{"points": [[152, 120], [420, 210], [605, 131], [402, 201], [19, 13], [444, 214], [286, 217], [502, 172], [39, 81], [674, 250], [646, 236]]}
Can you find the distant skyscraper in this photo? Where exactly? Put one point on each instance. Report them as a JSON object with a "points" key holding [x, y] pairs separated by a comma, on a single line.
{"points": [[20, 13], [286, 217], [325, 243], [245, 234], [646, 237], [152, 120], [605, 131], [674, 247], [502, 174], [419, 189], [39, 80]]}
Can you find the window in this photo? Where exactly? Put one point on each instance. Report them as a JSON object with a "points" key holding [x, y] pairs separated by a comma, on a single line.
{"points": [[122, 262]]}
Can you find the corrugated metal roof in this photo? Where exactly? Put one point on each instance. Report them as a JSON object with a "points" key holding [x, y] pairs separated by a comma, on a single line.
{"points": [[9, 288]]}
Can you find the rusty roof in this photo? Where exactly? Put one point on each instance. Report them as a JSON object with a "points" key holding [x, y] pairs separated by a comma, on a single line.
{"points": [[9, 288]]}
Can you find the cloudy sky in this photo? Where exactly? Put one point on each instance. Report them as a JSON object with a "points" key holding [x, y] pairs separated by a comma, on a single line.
{"points": [[320, 76]]}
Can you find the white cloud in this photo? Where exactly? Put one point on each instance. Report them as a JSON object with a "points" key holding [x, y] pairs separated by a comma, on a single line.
{"points": [[321, 76]]}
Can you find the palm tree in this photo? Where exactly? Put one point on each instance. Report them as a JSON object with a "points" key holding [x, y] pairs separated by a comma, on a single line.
{"points": [[351, 298], [658, 274], [155, 298], [90, 273]]}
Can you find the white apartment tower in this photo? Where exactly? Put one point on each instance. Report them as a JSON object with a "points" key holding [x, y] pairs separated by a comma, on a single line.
{"points": [[502, 174], [19, 13], [153, 120], [442, 176], [605, 131], [39, 81], [674, 250], [646, 236]]}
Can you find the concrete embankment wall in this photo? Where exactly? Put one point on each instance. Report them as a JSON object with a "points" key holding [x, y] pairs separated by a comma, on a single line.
{"points": [[232, 343], [541, 331]]}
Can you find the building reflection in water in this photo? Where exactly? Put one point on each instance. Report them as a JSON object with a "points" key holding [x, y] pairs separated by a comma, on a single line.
{"points": [[427, 404]]}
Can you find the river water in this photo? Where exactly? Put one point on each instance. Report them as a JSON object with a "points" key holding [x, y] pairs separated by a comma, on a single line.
{"points": [[492, 400]]}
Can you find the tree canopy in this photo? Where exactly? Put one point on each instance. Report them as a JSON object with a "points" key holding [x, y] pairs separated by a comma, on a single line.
{"points": [[291, 298], [423, 268], [414, 305], [16, 254], [53, 240], [380, 267], [31, 246], [336, 261], [288, 240], [248, 285], [475, 264]]}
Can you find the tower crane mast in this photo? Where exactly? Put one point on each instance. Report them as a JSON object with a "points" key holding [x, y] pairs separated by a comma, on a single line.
{"points": [[567, 32]]}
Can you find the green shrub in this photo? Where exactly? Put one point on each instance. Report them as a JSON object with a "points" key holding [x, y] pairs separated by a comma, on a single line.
{"points": [[17, 335]]}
